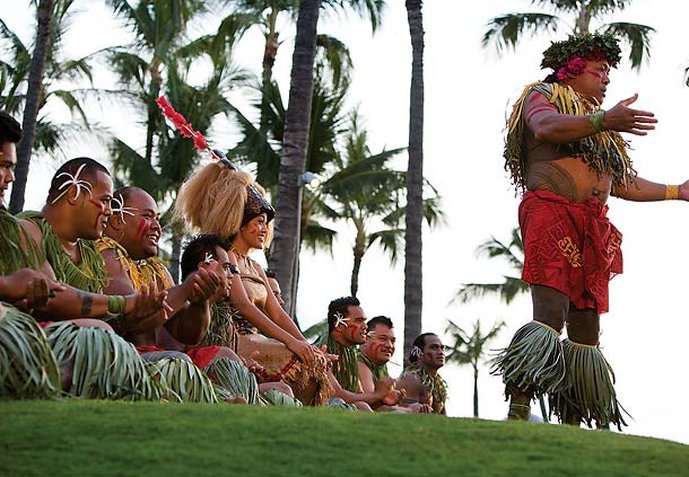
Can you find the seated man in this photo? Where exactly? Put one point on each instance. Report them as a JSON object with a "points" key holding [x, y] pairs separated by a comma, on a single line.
{"points": [[420, 380], [275, 286], [208, 251], [347, 329], [59, 242], [373, 357], [129, 248]]}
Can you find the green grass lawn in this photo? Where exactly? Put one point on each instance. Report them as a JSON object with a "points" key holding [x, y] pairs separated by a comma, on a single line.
{"points": [[98, 438]]}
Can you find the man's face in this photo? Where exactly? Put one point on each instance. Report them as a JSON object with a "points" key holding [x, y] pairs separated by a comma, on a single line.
{"points": [[221, 264], [354, 329], [380, 344], [275, 288], [433, 356], [594, 80], [94, 210], [8, 159], [140, 222]]}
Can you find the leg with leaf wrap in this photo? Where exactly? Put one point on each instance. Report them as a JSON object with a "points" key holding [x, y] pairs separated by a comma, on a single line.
{"points": [[533, 363], [589, 396]]}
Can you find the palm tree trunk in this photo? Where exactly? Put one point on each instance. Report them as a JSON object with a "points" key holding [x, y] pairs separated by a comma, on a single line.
{"points": [[413, 280], [294, 144], [33, 99], [270, 52], [475, 391], [175, 254], [354, 284]]}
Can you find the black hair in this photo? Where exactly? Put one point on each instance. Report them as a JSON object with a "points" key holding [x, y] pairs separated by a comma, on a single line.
{"points": [[91, 168], [127, 191], [10, 130], [378, 320], [196, 249], [340, 305], [419, 342]]}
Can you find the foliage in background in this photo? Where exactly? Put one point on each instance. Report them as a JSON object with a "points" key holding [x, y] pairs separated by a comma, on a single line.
{"points": [[506, 31]]}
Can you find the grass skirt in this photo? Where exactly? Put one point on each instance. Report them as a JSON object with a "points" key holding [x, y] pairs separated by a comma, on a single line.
{"points": [[102, 364], [28, 368], [533, 363], [590, 392]]}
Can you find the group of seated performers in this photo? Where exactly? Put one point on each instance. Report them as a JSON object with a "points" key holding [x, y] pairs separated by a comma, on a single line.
{"points": [[90, 310]]}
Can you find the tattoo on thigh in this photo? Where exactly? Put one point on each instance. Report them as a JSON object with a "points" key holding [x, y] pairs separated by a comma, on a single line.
{"points": [[554, 178], [86, 304]]}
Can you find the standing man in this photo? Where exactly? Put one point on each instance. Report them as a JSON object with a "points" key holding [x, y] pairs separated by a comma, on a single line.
{"points": [[567, 156], [421, 382]]}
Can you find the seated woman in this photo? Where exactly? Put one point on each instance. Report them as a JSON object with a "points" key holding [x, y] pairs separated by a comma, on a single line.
{"points": [[219, 199]]}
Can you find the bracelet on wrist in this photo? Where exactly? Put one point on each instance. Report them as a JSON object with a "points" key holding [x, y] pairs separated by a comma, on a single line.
{"points": [[671, 192], [116, 304], [596, 119]]}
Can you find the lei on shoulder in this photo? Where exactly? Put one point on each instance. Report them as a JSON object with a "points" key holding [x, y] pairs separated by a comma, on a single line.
{"points": [[604, 152]]}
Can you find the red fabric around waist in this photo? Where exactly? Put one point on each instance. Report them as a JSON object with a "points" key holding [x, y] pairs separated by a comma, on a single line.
{"points": [[201, 357], [570, 246]]}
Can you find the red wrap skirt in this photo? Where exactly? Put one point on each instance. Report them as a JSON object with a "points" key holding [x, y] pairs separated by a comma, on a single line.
{"points": [[570, 246], [201, 356]]}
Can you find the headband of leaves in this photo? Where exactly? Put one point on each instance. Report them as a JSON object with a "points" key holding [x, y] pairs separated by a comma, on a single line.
{"points": [[591, 45]]}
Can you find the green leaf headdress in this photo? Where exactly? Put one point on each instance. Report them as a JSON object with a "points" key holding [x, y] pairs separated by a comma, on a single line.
{"points": [[588, 46]]}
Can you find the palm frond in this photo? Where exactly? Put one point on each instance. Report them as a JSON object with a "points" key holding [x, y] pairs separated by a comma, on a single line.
{"points": [[318, 237], [506, 291], [638, 38], [506, 31], [314, 332]]}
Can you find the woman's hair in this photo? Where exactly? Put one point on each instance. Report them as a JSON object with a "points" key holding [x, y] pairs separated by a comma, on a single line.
{"points": [[212, 200]]}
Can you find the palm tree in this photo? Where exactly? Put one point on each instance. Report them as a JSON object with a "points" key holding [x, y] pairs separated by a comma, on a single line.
{"points": [[512, 286], [366, 190], [265, 14], [507, 30], [294, 149], [470, 349], [159, 61], [22, 88], [413, 264], [33, 98]]}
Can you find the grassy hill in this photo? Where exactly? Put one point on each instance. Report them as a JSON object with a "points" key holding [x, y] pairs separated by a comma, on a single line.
{"points": [[100, 438]]}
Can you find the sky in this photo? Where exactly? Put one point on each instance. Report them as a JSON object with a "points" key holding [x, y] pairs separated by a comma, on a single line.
{"points": [[469, 91]]}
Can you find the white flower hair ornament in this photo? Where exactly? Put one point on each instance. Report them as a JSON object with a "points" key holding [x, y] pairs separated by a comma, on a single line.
{"points": [[209, 258], [119, 208], [340, 319], [73, 180], [415, 353]]}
